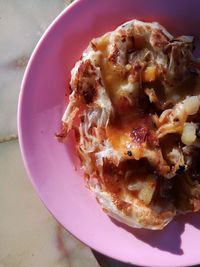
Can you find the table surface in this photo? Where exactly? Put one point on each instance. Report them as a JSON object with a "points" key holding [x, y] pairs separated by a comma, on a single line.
{"points": [[29, 235]]}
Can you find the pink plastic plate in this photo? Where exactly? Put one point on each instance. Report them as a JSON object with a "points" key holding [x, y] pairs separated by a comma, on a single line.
{"points": [[50, 164]]}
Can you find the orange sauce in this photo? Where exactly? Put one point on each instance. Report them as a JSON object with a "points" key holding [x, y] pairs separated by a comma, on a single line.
{"points": [[120, 132], [102, 44], [119, 137]]}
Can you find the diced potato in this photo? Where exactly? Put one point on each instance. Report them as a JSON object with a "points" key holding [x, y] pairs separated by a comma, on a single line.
{"points": [[191, 105], [128, 67], [146, 194], [145, 187], [149, 74], [189, 133]]}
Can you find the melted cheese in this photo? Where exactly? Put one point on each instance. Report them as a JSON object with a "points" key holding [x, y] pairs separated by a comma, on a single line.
{"points": [[112, 77], [119, 138]]}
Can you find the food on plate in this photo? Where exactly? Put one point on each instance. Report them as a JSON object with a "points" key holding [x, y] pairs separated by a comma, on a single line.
{"points": [[134, 106]]}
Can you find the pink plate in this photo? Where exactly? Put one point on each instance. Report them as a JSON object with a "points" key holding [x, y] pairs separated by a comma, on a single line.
{"points": [[50, 164]]}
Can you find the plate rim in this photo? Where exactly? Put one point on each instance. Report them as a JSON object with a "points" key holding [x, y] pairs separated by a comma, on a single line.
{"points": [[25, 79]]}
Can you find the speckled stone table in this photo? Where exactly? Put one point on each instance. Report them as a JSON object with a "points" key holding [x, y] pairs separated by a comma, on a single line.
{"points": [[29, 235]]}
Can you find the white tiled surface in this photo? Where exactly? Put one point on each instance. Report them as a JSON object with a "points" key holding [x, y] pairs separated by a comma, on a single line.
{"points": [[22, 23]]}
